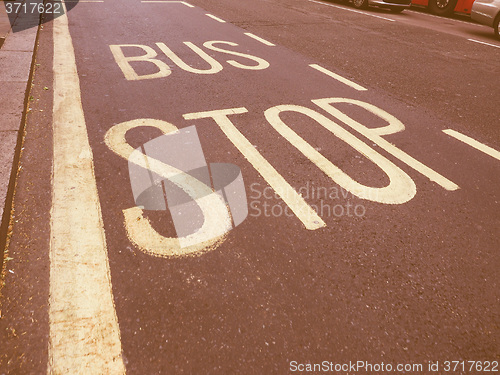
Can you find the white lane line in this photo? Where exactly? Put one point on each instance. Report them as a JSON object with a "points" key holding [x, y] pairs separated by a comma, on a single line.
{"points": [[263, 41], [339, 78], [352, 10], [439, 17], [488, 44], [84, 337], [473, 143], [215, 18], [168, 2]]}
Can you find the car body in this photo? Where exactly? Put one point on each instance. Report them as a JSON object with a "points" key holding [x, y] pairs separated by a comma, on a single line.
{"points": [[487, 12], [393, 5], [446, 7]]}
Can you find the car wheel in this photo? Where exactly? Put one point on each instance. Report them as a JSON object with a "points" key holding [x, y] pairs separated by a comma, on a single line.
{"points": [[360, 4], [396, 10], [442, 7], [496, 25]]}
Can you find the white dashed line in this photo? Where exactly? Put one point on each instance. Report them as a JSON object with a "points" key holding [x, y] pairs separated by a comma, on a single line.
{"points": [[215, 18], [439, 17], [473, 143], [263, 41], [339, 78], [352, 10], [84, 337], [488, 44], [167, 2]]}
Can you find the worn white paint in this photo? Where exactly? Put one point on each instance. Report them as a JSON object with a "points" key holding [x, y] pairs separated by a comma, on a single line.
{"points": [[127, 69], [215, 66], [217, 220], [258, 38], [261, 63], [401, 187], [215, 18], [486, 44], [375, 135], [297, 204], [352, 10], [84, 337], [338, 77], [473, 143], [168, 2]]}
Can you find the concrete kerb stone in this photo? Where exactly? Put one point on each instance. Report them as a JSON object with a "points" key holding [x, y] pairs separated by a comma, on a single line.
{"points": [[4, 24], [8, 143], [16, 61]]}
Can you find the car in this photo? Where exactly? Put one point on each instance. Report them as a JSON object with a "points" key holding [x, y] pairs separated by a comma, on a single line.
{"points": [[445, 7], [487, 12], [395, 6]]}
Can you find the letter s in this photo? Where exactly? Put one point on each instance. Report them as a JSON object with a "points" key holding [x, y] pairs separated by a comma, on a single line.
{"points": [[261, 63], [217, 221]]}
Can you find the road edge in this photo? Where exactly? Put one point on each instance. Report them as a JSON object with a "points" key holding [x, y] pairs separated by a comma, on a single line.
{"points": [[8, 204]]}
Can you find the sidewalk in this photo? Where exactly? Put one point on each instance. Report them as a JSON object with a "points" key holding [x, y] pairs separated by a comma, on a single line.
{"points": [[16, 56]]}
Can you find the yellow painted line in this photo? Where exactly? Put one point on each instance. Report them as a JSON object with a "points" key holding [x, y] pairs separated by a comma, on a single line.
{"points": [[168, 2], [294, 200], [215, 18], [339, 78], [487, 44], [84, 337], [473, 143], [263, 41]]}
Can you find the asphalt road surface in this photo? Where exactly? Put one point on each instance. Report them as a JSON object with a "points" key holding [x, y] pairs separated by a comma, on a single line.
{"points": [[360, 220]]}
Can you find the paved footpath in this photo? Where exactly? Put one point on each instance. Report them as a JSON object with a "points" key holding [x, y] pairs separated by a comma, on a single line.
{"points": [[17, 45]]}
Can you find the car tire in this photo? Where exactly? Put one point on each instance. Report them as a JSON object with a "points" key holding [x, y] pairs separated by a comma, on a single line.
{"points": [[496, 26], [360, 4], [396, 10], [442, 7]]}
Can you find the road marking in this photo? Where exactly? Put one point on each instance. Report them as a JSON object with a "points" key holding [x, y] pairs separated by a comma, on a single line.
{"points": [[473, 143], [127, 69], [215, 66], [401, 187], [261, 63], [216, 220], [375, 135], [352, 10], [164, 70], [84, 337], [294, 200], [488, 44], [215, 18], [439, 17], [167, 2], [339, 78], [263, 41]]}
